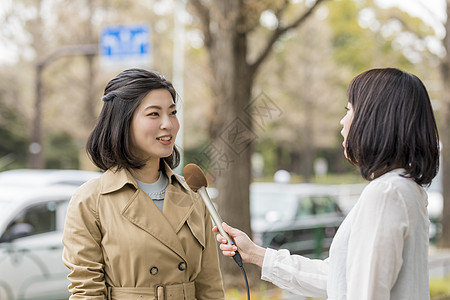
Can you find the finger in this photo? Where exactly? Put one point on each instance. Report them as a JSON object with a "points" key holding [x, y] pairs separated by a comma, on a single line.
{"points": [[215, 229], [220, 238], [228, 229], [227, 247], [228, 253]]}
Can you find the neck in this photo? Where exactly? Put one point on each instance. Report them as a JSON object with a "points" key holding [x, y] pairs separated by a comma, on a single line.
{"points": [[384, 170], [148, 174]]}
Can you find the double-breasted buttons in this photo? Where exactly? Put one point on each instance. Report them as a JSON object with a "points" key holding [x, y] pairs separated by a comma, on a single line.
{"points": [[182, 266], [153, 270]]}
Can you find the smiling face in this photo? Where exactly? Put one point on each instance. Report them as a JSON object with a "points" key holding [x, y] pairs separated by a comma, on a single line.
{"points": [[154, 126], [345, 123]]}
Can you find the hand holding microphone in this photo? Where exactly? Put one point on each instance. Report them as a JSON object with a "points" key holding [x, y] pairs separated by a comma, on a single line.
{"points": [[196, 180], [251, 252]]}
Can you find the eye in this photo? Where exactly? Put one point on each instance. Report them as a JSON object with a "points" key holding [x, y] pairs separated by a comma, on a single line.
{"points": [[346, 108], [153, 114], [174, 113]]}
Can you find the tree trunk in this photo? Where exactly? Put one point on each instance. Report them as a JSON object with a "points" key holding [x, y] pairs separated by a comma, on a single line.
{"points": [[225, 25], [232, 134], [445, 135]]}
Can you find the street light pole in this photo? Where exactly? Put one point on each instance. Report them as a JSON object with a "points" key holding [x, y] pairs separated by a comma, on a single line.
{"points": [[35, 148], [36, 159]]}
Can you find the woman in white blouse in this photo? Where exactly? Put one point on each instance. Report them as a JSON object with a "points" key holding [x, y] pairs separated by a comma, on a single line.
{"points": [[381, 249]]}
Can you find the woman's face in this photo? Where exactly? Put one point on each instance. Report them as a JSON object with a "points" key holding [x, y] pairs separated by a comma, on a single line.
{"points": [[154, 126], [346, 122]]}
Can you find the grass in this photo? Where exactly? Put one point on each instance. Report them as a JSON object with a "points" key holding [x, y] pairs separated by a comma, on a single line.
{"points": [[255, 295], [264, 293], [440, 289]]}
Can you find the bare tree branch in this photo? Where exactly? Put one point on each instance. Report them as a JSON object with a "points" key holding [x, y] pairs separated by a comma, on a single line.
{"points": [[278, 32], [282, 9], [205, 18]]}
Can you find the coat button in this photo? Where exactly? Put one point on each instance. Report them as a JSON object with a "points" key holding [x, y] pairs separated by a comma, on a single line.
{"points": [[182, 266], [153, 270]]}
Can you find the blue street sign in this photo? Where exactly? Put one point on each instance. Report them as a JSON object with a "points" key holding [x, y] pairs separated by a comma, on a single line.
{"points": [[126, 45]]}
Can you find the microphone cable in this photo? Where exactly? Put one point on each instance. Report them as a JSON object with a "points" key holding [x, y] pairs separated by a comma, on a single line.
{"points": [[237, 258]]}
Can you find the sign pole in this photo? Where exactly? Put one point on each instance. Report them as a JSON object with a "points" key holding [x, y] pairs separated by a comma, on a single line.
{"points": [[36, 159]]}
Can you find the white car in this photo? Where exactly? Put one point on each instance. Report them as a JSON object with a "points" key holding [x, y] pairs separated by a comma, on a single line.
{"points": [[32, 211]]}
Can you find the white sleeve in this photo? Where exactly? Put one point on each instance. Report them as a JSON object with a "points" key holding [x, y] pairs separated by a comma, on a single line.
{"points": [[295, 273], [376, 243]]}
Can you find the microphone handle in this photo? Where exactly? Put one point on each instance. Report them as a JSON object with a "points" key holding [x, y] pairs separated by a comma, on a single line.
{"points": [[214, 214]]}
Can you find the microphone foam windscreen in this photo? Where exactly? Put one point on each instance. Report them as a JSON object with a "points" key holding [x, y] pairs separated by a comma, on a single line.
{"points": [[194, 176]]}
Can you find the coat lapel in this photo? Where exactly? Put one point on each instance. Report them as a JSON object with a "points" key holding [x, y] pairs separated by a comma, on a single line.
{"points": [[139, 209], [177, 207], [150, 219]]}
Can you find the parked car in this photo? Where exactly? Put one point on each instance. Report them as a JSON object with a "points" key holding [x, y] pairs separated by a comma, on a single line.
{"points": [[33, 177], [302, 218], [32, 210]]}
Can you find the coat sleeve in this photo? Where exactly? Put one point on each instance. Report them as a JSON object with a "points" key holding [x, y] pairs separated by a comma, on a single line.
{"points": [[208, 284], [82, 253]]}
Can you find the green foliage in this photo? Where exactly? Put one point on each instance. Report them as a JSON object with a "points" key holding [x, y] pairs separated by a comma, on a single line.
{"points": [[352, 47], [14, 142], [366, 36], [199, 155], [61, 152], [267, 148]]}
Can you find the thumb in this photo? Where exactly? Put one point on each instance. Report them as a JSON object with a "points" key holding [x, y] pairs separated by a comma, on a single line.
{"points": [[233, 232]]}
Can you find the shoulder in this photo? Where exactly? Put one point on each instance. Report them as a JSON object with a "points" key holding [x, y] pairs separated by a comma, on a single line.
{"points": [[87, 195], [91, 187], [391, 183], [382, 191], [384, 205], [390, 192]]}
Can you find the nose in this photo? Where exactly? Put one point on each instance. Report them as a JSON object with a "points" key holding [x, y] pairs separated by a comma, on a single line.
{"points": [[342, 121], [166, 123]]}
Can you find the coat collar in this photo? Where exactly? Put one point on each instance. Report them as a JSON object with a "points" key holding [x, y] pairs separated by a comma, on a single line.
{"points": [[114, 180], [178, 206]]}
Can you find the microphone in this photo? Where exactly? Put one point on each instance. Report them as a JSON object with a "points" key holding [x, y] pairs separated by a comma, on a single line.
{"points": [[196, 180]]}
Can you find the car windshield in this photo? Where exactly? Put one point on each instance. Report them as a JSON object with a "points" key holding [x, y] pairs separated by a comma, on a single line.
{"points": [[273, 206]]}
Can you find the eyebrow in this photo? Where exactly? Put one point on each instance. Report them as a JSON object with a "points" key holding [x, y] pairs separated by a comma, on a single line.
{"points": [[158, 107]]}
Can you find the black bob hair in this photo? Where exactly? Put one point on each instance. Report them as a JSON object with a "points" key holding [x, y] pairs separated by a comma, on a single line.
{"points": [[108, 144], [393, 126]]}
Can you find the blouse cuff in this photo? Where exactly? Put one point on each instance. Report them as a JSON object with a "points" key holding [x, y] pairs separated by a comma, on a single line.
{"points": [[268, 263]]}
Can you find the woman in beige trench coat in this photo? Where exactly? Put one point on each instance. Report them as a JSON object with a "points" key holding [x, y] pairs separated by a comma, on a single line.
{"points": [[138, 231]]}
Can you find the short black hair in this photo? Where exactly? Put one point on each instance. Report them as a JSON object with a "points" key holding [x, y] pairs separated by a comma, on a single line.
{"points": [[393, 126], [109, 144]]}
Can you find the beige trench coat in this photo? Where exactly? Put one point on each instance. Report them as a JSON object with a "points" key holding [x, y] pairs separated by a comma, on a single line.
{"points": [[118, 244]]}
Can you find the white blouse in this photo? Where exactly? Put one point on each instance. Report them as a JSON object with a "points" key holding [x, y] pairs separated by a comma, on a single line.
{"points": [[379, 252]]}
